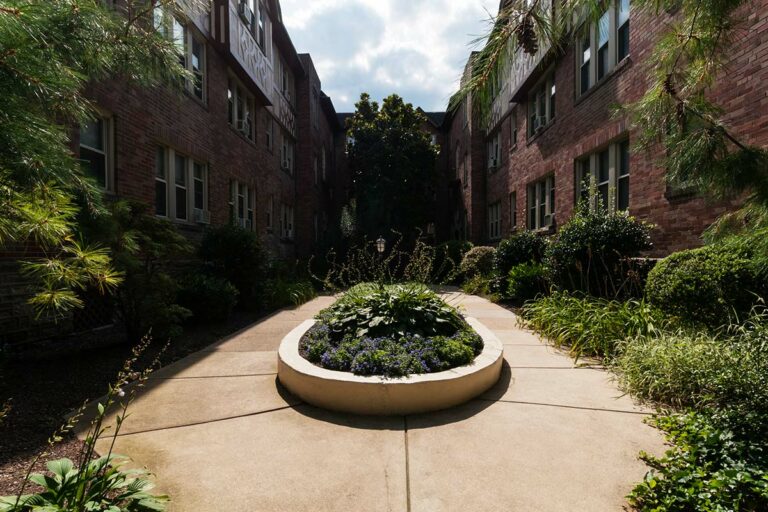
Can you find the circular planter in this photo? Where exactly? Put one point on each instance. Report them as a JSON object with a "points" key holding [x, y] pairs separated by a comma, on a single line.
{"points": [[374, 395]]}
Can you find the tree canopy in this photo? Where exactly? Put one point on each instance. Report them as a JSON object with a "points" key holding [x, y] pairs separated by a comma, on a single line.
{"points": [[392, 161]]}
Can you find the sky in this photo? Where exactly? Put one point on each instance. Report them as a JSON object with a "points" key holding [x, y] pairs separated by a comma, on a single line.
{"points": [[415, 48]]}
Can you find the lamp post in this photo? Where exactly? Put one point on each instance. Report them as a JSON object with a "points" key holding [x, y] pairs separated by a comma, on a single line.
{"points": [[381, 245]]}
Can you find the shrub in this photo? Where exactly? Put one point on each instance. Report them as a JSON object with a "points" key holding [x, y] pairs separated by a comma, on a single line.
{"points": [[478, 262], [698, 369], [236, 254], [448, 258], [591, 251], [479, 285], [705, 286], [523, 246], [210, 298], [591, 326], [716, 462], [526, 280], [374, 310], [282, 292]]}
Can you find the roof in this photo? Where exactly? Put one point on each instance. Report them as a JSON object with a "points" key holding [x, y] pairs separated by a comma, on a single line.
{"points": [[436, 118]]}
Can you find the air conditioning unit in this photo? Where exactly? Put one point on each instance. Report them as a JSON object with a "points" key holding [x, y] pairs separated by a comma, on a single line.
{"points": [[201, 216], [244, 127]]}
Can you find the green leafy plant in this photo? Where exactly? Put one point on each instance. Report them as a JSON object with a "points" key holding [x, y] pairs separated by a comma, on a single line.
{"points": [[706, 286], [526, 280], [591, 326], [592, 252], [94, 482], [400, 309], [209, 298], [478, 261], [283, 292], [716, 462], [448, 257], [236, 254], [523, 246]]}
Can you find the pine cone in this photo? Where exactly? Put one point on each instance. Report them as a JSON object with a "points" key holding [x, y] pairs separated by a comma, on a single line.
{"points": [[526, 36]]}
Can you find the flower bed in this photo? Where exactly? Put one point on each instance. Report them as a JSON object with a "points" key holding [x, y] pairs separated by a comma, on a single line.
{"points": [[392, 331]]}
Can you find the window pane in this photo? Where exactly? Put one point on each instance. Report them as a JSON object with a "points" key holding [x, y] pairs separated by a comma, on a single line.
{"points": [[624, 158], [602, 62], [197, 67], [231, 103], [92, 134], [181, 203], [623, 40], [95, 165], [199, 187], [180, 170], [623, 193], [161, 198], [603, 169], [552, 102], [603, 28], [160, 163], [623, 12]]}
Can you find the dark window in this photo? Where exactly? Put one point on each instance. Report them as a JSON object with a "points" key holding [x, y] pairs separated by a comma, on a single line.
{"points": [[623, 176], [623, 32], [180, 180], [161, 184]]}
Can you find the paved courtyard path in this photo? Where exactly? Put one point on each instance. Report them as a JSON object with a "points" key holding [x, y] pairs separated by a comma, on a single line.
{"points": [[221, 435]]}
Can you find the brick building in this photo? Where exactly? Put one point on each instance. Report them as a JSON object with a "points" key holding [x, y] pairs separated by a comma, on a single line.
{"points": [[551, 128]]}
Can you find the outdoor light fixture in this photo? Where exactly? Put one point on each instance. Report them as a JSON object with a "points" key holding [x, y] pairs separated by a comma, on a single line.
{"points": [[381, 244]]}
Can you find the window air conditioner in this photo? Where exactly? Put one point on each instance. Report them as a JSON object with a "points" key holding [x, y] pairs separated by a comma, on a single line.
{"points": [[201, 216]]}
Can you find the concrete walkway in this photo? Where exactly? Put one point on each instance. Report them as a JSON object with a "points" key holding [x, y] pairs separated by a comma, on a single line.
{"points": [[220, 435]]}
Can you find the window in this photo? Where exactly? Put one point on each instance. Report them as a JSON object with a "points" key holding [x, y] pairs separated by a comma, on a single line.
{"points": [[286, 221], [494, 221], [241, 204], [602, 45], [494, 152], [261, 31], [512, 211], [608, 172], [96, 154], [316, 167], [241, 109], [190, 47], [187, 199], [286, 154], [284, 78], [541, 104], [541, 203], [161, 184]]}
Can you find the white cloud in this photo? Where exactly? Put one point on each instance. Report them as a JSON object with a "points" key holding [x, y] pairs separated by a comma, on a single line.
{"points": [[415, 48]]}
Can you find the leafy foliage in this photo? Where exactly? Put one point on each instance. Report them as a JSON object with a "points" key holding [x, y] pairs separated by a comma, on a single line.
{"points": [[592, 251], [448, 257], [236, 254], [392, 310], [392, 161], [209, 298], [94, 483], [591, 326], [283, 292], [480, 285], [51, 51], [478, 261], [523, 246], [526, 280], [717, 462], [706, 286]]}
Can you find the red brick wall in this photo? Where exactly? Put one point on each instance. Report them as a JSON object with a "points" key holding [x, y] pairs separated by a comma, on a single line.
{"points": [[586, 124]]}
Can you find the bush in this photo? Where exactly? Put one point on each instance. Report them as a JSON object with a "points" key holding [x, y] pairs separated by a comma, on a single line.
{"points": [[698, 369], [591, 252], [448, 258], [706, 286], [282, 292], [210, 298], [716, 462], [526, 280], [375, 310], [591, 326], [236, 254], [480, 285], [478, 262], [523, 246]]}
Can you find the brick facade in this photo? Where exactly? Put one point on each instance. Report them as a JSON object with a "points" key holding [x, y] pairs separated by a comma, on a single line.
{"points": [[585, 124]]}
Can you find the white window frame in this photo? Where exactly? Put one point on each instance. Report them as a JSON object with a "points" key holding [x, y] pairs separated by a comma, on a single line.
{"points": [[541, 104], [587, 175], [107, 134], [241, 109], [540, 203], [513, 129], [287, 151], [494, 221], [494, 151], [286, 222], [241, 191], [588, 42], [167, 156]]}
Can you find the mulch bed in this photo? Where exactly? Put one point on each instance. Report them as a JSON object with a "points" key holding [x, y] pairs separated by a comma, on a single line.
{"points": [[44, 391]]}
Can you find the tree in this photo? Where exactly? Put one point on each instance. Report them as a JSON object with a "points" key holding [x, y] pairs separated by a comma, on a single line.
{"points": [[392, 160], [676, 112], [49, 52]]}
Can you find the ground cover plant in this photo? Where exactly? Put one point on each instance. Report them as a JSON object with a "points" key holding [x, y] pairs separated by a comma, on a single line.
{"points": [[390, 330]]}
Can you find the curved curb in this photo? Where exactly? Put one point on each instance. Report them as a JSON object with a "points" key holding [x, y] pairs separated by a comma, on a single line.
{"points": [[346, 392]]}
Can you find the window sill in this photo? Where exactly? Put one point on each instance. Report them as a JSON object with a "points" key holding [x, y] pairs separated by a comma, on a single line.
{"points": [[538, 134], [240, 134], [626, 62], [201, 102]]}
